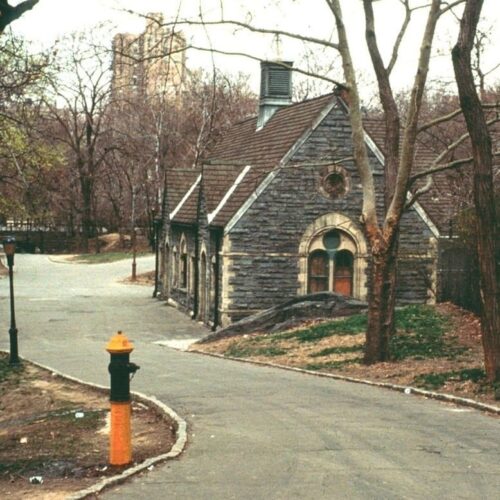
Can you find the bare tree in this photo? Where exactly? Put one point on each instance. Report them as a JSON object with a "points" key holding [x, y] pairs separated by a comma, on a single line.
{"points": [[77, 106], [484, 200], [27, 162]]}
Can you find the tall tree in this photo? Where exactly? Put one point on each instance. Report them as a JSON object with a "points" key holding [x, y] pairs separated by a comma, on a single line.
{"points": [[382, 230], [484, 200], [27, 162], [77, 105]]}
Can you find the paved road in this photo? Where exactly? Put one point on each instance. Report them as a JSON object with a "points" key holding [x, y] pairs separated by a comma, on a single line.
{"points": [[254, 432]]}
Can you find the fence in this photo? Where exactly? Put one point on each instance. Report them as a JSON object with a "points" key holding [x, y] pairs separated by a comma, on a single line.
{"points": [[458, 276]]}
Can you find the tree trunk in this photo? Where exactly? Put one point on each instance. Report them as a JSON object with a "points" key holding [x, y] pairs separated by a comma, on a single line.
{"points": [[87, 223], [381, 304], [484, 201]]}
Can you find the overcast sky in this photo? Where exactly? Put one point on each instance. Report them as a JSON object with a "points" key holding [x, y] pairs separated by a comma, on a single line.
{"points": [[51, 19]]}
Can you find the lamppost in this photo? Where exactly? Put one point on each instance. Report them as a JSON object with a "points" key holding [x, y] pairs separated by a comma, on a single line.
{"points": [[9, 246], [157, 223], [134, 254]]}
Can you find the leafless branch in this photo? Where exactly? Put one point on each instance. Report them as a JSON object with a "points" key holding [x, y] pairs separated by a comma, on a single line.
{"points": [[249, 27], [399, 38], [444, 153], [450, 6], [452, 115], [254, 58], [440, 168], [9, 13]]}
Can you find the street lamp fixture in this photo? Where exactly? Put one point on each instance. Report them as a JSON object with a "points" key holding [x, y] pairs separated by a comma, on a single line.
{"points": [[157, 224], [9, 247]]}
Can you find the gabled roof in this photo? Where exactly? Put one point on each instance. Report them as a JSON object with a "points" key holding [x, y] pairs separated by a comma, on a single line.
{"points": [[182, 192], [265, 148], [243, 158]]}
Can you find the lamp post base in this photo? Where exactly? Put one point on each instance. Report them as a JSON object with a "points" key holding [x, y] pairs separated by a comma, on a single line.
{"points": [[14, 356]]}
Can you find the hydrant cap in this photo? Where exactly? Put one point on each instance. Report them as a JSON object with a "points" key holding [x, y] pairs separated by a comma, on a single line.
{"points": [[119, 344]]}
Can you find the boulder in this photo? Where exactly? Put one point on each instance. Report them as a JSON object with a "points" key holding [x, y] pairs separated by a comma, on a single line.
{"points": [[323, 305]]}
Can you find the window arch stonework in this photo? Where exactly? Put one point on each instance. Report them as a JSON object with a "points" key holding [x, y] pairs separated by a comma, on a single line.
{"points": [[346, 266]]}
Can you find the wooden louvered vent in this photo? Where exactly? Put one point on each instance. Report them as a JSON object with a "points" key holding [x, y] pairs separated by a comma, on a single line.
{"points": [[276, 80]]}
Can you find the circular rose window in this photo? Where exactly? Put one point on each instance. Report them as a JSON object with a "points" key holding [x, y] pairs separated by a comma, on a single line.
{"points": [[333, 182], [334, 185]]}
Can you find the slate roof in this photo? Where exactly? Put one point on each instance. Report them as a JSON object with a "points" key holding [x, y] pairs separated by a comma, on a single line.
{"points": [[179, 181], [243, 145], [245, 156]]}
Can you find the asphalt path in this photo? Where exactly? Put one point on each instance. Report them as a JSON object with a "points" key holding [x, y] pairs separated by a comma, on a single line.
{"points": [[254, 432]]}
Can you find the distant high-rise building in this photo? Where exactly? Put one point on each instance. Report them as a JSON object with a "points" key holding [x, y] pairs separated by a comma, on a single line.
{"points": [[150, 63]]}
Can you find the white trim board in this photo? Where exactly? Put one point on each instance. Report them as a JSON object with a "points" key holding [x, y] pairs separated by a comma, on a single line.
{"points": [[263, 185], [230, 191], [185, 197]]}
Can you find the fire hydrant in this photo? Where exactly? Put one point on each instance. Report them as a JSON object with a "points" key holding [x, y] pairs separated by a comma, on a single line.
{"points": [[120, 369]]}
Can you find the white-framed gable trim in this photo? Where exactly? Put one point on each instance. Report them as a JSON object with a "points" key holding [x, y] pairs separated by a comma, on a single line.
{"points": [[249, 201], [423, 215], [230, 191], [373, 148], [269, 178], [418, 208], [185, 197]]}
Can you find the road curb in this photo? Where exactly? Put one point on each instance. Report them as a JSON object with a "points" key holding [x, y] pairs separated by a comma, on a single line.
{"points": [[177, 448], [448, 398]]}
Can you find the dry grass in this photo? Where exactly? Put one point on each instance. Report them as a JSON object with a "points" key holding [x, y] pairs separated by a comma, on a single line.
{"points": [[448, 371], [59, 430]]}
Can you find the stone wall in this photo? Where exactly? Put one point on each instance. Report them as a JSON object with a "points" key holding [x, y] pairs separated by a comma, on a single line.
{"points": [[261, 253], [184, 297]]}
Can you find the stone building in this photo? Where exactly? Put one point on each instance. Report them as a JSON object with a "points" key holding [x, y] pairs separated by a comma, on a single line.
{"points": [[275, 213], [152, 62]]}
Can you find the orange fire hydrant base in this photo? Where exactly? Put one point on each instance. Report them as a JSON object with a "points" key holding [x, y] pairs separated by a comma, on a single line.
{"points": [[120, 441]]}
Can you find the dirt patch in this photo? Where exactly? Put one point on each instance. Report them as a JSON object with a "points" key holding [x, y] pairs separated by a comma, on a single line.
{"points": [[146, 279], [115, 242], [459, 374], [58, 430]]}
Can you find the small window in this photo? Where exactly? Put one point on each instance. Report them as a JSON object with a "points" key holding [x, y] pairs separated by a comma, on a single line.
{"points": [[174, 268], [333, 182], [334, 185], [183, 266], [184, 271]]}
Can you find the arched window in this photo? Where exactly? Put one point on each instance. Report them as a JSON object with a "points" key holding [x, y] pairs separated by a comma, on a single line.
{"points": [[331, 263], [347, 257], [175, 267], [184, 266], [318, 278], [167, 271]]}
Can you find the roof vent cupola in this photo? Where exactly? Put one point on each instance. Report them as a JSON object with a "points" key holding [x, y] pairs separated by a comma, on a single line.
{"points": [[275, 89]]}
